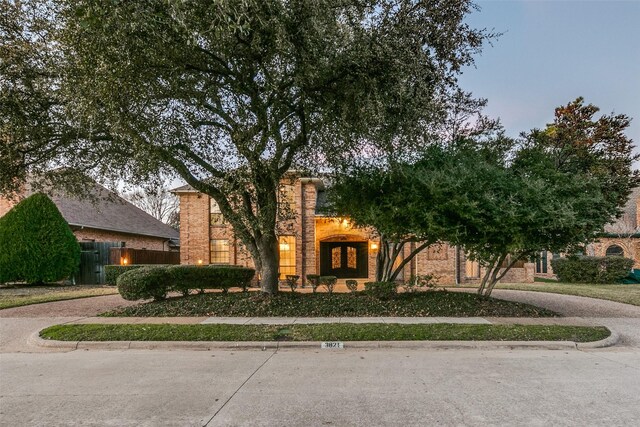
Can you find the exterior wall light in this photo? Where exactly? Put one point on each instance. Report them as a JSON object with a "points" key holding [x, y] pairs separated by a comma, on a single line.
{"points": [[199, 262], [125, 261], [374, 246]]}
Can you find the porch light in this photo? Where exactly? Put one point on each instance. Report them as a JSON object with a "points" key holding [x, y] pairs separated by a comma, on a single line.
{"points": [[199, 262], [345, 223], [125, 261], [374, 246]]}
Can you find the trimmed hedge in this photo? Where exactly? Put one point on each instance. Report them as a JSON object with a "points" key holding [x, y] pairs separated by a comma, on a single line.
{"points": [[112, 272], [144, 282], [586, 269], [190, 277], [36, 243], [381, 290]]}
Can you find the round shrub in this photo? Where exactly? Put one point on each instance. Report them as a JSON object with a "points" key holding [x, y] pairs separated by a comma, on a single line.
{"points": [[144, 283], [381, 290], [36, 243], [112, 272]]}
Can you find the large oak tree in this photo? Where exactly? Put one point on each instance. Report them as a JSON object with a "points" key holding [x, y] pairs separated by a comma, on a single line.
{"points": [[231, 94]]}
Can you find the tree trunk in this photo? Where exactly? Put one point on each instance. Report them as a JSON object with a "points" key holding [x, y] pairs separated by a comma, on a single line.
{"points": [[386, 258], [270, 264]]}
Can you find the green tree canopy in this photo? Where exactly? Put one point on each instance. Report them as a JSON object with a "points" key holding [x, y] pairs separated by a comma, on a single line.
{"points": [[36, 243], [557, 191], [232, 94]]}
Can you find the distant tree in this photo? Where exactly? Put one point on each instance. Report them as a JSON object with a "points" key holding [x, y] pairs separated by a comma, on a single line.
{"points": [[36, 243], [560, 189], [231, 95], [156, 200]]}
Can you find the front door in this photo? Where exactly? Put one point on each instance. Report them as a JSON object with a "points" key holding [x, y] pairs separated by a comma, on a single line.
{"points": [[345, 260]]}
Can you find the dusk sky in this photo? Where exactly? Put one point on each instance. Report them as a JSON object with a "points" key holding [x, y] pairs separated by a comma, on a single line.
{"points": [[551, 52]]}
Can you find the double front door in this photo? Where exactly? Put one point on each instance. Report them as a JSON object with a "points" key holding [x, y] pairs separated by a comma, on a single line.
{"points": [[345, 260]]}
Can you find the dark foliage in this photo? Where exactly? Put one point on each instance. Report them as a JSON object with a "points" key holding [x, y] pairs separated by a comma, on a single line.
{"points": [[36, 243], [585, 269]]}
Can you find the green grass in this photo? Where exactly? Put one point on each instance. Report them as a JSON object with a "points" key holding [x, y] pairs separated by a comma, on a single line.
{"points": [[286, 304], [17, 297], [628, 294], [323, 332]]}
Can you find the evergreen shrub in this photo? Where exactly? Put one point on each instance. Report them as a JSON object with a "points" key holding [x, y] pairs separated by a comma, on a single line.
{"points": [[36, 243], [586, 269]]}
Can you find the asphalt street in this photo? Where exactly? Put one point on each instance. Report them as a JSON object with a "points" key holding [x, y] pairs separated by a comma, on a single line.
{"points": [[315, 387]]}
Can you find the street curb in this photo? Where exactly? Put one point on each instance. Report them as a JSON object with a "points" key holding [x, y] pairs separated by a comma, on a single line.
{"points": [[36, 340], [610, 341]]}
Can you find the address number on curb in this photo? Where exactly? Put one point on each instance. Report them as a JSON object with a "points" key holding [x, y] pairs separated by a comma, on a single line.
{"points": [[332, 344]]}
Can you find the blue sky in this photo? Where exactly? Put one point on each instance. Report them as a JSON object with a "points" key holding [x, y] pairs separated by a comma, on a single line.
{"points": [[553, 51]]}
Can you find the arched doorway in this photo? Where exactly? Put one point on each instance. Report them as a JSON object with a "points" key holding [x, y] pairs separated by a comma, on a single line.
{"points": [[344, 258]]}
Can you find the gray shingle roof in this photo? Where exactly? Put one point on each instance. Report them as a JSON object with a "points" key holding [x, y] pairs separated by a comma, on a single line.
{"points": [[107, 211]]}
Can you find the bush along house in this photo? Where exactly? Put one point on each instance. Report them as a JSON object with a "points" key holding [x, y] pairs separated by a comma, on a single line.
{"points": [[316, 244], [620, 238]]}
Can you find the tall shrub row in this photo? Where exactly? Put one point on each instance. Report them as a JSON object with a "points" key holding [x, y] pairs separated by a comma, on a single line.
{"points": [[586, 269], [155, 282]]}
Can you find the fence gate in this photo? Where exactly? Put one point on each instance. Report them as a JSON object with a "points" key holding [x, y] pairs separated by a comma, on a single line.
{"points": [[93, 257]]}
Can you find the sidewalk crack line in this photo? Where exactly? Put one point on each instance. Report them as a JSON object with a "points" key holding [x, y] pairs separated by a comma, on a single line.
{"points": [[238, 389]]}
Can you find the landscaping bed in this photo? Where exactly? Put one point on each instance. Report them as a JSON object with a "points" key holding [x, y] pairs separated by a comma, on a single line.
{"points": [[324, 332], [286, 304]]}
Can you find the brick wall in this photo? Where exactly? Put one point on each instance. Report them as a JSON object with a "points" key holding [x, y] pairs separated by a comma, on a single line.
{"points": [[133, 241], [6, 205], [194, 228], [438, 260]]}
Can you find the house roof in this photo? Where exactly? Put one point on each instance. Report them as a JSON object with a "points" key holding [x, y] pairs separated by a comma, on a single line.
{"points": [[105, 210]]}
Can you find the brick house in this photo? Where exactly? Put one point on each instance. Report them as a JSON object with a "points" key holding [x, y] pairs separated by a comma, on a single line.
{"points": [[620, 238], [105, 223], [314, 243], [106, 217]]}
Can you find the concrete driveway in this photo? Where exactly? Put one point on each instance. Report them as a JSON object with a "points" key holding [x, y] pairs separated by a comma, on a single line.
{"points": [[314, 387]]}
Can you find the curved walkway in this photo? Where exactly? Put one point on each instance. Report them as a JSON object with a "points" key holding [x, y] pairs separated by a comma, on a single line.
{"points": [[623, 318], [80, 307], [570, 305]]}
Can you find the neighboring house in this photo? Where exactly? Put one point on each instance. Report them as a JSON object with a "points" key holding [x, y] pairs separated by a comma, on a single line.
{"points": [[105, 221], [620, 238], [315, 243]]}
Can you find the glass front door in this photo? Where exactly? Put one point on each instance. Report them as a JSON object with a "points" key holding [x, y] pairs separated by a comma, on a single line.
{"points": [[345, 260]]}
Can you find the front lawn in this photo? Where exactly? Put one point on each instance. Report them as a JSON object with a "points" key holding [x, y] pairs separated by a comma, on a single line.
{"points": [[286, 304], [11, 296], [323, 332]]}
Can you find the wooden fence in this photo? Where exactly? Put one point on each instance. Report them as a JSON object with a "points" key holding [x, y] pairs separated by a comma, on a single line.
{"points": [[131, 256]]}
